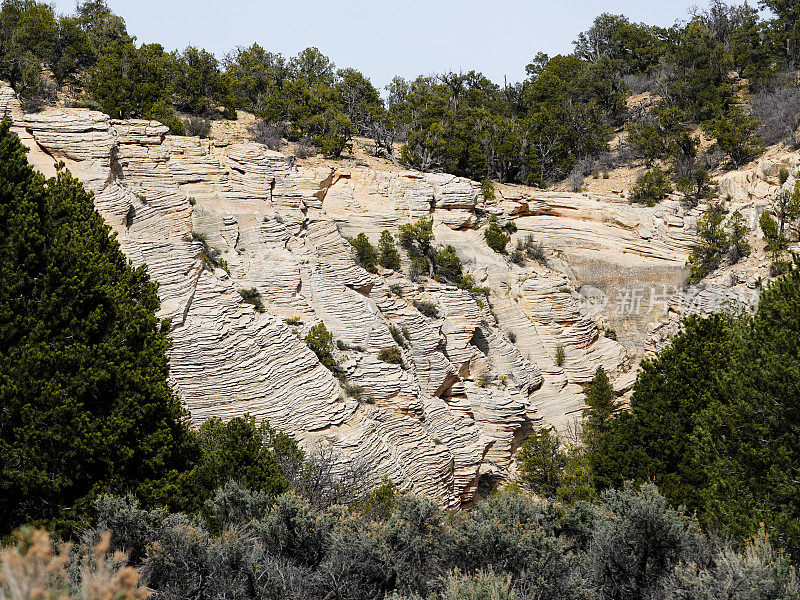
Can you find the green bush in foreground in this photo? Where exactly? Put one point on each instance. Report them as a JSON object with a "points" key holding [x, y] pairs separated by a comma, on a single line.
{"points": [[248, 545]]}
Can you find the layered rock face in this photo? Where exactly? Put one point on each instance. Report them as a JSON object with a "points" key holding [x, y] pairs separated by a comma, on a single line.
{"points": [[475, 380]]}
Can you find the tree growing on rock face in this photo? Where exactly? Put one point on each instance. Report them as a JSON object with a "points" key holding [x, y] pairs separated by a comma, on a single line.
{"points": [[541, 462], [320, 341], [388, 256], [417, 240], [85, 403], [651, 188], [601, 407], [786, 207], [495, 237], [739, 247], [776, 243], [713, 243], [365, 251]]}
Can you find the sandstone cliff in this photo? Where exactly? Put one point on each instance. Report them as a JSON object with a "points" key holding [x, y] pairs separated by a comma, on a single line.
{"points": [[476, 379]]}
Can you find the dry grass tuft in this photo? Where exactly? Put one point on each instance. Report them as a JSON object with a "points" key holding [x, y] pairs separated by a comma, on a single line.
{"points": [[33, 569]]}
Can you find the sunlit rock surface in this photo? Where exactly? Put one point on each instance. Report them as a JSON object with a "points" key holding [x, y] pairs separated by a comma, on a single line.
{"points": [[475, 380]]}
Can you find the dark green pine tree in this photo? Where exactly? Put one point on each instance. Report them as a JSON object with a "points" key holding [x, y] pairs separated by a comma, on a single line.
{"points": [[601, 407], [653, 441], [748, 439], [85, 407]]}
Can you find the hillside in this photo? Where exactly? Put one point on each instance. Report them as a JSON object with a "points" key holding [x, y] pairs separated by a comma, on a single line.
{"points": [[213, 217]]}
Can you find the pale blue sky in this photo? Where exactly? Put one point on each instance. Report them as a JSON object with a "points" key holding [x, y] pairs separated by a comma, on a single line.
{"points": [[383, 39]]}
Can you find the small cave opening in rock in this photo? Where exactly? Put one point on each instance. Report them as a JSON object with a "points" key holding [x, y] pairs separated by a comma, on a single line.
{"points": [[479, 341], [487, 483], [129, 216]]}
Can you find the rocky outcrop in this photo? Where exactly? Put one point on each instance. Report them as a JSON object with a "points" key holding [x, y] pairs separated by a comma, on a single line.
{"points": [[213, 217]]}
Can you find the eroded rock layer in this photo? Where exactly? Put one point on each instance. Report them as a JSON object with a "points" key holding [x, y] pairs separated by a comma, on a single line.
{"points": [[474, 380]]}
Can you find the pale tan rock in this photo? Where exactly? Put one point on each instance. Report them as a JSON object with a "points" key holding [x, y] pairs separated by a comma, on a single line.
{"points": [[475, 380]]}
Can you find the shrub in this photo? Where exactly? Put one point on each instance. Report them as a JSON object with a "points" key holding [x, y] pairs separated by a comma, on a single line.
{"points": [[32, 569], [396, 289], [269, 135], [420, 267], [235, 505], [779, 267], [560, 356], [481, 585], [240, 450], [304, 149], [758, 571], [391, 355], [365, 252], [576, 178], [779, 113], [294, 321], [417, 239], [397, 335], [381, 502], [354, 391], [518, 254], [651, 188], [638, 540], [647, 137], [534, 251], [211, 255], [577, 481], [332, 131], [388, 256], [197, 126], [427, 308], [43, 92], [695, 186], [487, 190], [495, 237], [541, 463], [320, 341], [252, 296], [714, 242], [447, 265], [735, 133], [530, 249]]}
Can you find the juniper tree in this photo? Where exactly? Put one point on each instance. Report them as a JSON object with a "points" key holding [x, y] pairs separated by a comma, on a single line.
{"points": [[388, 256], [86, 406], [601, 407]]}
